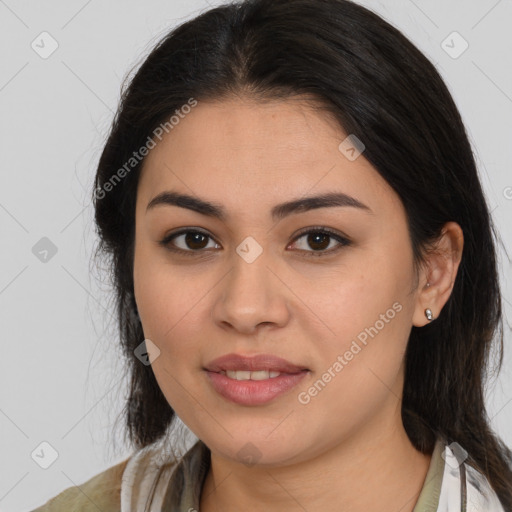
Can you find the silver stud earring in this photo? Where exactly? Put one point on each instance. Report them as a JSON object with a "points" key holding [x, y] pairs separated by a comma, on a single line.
{"points": [[429, 315]]}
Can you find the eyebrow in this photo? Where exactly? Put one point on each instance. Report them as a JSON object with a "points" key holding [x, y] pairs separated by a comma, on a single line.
{"points": [[278, 212]]}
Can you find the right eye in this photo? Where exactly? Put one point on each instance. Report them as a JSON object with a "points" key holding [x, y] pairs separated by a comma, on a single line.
{"points": [[192, 241]]}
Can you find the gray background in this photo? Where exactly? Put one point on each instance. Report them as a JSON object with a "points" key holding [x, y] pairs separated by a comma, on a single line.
{"points": [[61, 377]]}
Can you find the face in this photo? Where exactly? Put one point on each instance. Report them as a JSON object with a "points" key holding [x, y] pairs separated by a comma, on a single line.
{"points": [[328, 288]]}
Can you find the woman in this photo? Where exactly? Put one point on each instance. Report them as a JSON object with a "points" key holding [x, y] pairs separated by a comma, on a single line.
{"points": [[305, 273]]}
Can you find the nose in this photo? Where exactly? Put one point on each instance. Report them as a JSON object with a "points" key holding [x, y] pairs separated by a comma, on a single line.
{"points": [[250, 295]]}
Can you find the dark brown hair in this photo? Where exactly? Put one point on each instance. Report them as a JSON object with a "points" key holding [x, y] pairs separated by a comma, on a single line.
{"points": [[382, 89]]}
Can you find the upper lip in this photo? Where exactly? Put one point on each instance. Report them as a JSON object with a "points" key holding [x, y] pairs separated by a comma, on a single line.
{"points": [[267, 362]]}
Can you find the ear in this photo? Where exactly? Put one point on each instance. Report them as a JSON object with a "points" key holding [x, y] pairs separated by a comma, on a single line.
{"points": [[438, 273]]}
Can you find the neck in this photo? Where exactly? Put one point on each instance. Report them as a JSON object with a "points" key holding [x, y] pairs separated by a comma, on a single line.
{"points": [[375, 469]]}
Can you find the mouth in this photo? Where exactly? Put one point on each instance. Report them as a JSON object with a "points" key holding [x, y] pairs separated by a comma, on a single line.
{"points": [[253, 388], [252, 375], [257, 367], [253, 380]]}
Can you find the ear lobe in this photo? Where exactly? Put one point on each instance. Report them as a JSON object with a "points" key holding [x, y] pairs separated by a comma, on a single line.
{"points": [[440, 270]]}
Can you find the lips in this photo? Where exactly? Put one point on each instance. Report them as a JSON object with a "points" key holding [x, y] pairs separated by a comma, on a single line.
{"points": [[267, 362], [254, 392]]}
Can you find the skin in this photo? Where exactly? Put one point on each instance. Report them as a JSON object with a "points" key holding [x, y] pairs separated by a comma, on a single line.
{"points": [[347, 448]]}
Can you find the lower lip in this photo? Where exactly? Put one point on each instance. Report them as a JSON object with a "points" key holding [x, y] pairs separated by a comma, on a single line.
{"points": [[253, 392]]}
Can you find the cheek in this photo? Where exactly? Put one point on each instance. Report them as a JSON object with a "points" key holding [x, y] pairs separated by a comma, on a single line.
{"points": [[369, 313], [371, 326], [358, 371], [174, 303], [368, 294], [167, 304]]}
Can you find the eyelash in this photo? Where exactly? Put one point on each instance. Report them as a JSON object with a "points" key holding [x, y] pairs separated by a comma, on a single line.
{"points": [[343, 241]]}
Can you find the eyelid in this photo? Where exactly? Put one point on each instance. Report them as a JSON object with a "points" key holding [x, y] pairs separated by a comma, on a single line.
{"points": [[341, 238], [166, 241], [321, 229]]}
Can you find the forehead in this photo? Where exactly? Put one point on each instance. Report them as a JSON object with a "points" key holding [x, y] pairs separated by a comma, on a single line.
{"points": [[245, 147], [239, 127]]}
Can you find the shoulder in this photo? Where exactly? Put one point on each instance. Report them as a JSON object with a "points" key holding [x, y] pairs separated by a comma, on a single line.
{"points": [[158, 477], [480, 494], [101, 492], [122, 486], [464, 483], [147, 475]]}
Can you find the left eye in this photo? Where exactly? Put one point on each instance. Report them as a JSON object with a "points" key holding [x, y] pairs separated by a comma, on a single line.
{"points": [[318, 239]]}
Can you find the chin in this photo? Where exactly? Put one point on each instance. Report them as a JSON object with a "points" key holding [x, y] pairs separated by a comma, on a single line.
{"points": [[257, 451]]}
